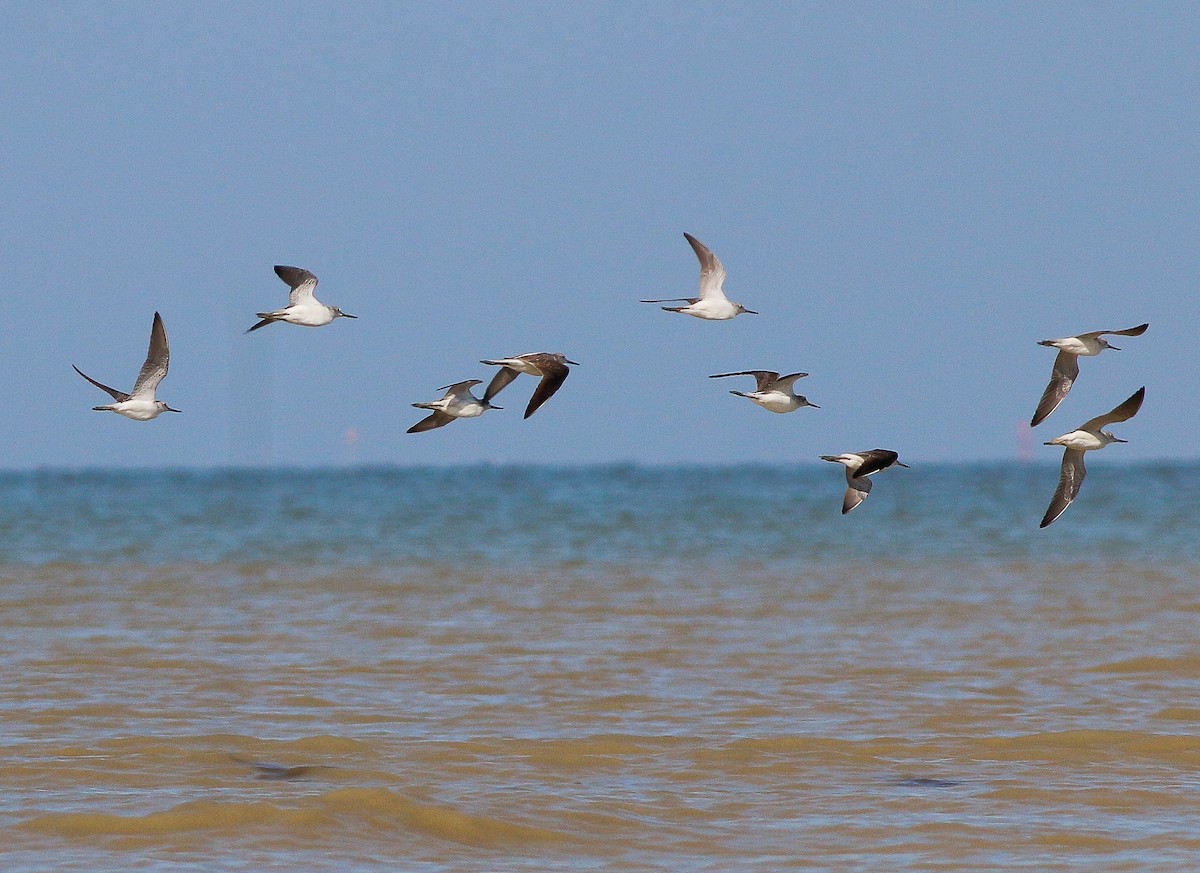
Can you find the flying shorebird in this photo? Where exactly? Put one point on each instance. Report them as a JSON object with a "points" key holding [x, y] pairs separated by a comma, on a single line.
{"points": [[303, 307], [860, 465], [1066, 365], [712, 304], [550, 367], [1088, 437], [458, 402], [140, 404], [773, 393]]}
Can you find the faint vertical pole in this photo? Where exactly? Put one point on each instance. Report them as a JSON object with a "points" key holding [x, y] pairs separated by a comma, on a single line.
{"points": [[1024, 442], [350, 441]]}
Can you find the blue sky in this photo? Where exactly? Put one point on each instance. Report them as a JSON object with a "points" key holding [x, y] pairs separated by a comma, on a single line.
{"points": [[911, 196]]}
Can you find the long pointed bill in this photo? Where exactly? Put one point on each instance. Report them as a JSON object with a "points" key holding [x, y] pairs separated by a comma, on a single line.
{"points": [[1114, 348], [573, 363], [169, 409], [348, 315]]}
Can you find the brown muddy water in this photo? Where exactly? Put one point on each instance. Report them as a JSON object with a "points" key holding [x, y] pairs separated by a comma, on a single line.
{"points": [[639, 701]]}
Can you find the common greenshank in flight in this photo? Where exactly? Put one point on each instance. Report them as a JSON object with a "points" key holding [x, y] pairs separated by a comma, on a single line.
{"points": [[712, 304], [550, 367], [140, 404], [458, 402], [1088, 437], [773, 393], [1066, 365], [860, 465], [303, 307]]}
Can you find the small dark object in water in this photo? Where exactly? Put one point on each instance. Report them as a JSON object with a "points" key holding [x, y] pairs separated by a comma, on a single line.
{"points": [[267, 770], [924, 782], [275, 771]]}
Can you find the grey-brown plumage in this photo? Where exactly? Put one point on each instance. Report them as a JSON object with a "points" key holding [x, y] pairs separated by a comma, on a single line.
{"points": [[303, 306], [140, 404], [773, 392], [457, 402], [116, 395], [550, 367], [712, 304], [431, 421], [1066, 364], [767, 380], [860, 465], [1088, 437]]}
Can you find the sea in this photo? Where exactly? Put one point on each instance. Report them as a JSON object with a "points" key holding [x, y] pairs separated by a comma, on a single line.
{"points": [[599, 668]]}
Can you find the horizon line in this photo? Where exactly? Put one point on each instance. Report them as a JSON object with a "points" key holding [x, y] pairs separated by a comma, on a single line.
{"points": [[388, 466]]}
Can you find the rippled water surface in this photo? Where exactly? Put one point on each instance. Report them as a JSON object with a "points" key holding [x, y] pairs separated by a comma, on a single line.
{"points": [[599, 669]]}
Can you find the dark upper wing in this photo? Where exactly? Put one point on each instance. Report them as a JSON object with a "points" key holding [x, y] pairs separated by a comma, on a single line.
{"points": [[1129, 331], [1069, 481], [1127, 410], [1062, 377], [437, 419], [113, 392], [765, 378], [874, 461], [301, 281], [553, 375], [785, 382], [499, 382]]}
